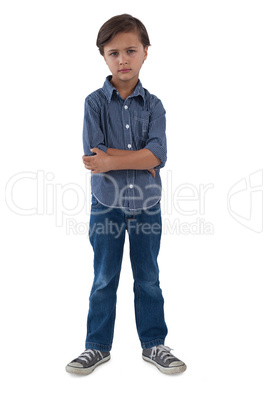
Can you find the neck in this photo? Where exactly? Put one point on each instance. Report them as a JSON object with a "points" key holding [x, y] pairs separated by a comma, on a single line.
{"points": [[125, 88]]}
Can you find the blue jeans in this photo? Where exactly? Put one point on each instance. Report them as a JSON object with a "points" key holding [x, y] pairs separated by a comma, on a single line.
{"points": [[107, 236]]}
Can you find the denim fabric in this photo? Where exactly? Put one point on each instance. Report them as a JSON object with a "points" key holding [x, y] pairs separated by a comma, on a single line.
{"points": [[134, 123], [107, 230]]}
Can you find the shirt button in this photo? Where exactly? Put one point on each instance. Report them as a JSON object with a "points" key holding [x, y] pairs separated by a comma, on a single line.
{"points": [[127, 126], [131, 186], [126, 107], [129, 146]]}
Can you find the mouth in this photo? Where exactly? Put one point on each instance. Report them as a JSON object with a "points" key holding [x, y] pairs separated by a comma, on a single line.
{"points": [[124, 70]]}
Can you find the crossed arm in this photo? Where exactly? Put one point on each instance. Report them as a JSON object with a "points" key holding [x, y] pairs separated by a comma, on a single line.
{"points": [[117, 159], [105, 159]]}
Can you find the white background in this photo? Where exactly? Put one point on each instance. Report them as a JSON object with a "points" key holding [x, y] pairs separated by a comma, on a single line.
{"points": [[208, 64]]}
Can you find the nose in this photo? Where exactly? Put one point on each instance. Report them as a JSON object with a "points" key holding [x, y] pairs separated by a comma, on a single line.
{"points": [[123, 60]]}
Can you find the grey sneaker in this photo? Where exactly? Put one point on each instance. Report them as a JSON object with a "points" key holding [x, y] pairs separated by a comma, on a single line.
{"points": [[87, 361], [165, 361]]}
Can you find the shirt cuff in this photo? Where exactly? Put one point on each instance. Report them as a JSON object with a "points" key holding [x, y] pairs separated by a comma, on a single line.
{"points": [[102, 147], [158, 151]]}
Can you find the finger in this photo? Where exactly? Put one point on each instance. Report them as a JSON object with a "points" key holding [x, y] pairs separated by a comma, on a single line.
{"points": [[86, 158], [152, 171], [88, 166]]}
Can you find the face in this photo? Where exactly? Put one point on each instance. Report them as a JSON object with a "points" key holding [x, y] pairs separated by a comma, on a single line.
{"points": [[124, 55]]}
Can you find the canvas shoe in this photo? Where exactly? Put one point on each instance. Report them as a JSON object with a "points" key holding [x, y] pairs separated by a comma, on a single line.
{"points": [[165, 361], [87, 361]]}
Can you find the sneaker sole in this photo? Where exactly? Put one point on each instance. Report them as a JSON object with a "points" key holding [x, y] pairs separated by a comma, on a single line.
{"points": [[166, 370], [86, 370]]}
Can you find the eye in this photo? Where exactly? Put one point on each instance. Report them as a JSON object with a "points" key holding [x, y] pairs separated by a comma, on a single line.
{"points": [[114, 54], [131, 51]]}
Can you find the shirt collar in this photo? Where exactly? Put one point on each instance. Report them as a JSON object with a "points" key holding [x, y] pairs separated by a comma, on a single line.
{"points": [[109, 89]]}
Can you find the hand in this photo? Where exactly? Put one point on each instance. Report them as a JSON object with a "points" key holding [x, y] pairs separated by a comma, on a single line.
{"points": [[98, 163], [152, 171]]}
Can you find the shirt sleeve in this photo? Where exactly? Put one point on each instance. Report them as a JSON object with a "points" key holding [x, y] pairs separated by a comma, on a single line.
{"points": [[156, 141], [92, 133]]}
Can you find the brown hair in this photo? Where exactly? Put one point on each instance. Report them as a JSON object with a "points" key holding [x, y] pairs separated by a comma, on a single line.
{"points": [[121, 23]]}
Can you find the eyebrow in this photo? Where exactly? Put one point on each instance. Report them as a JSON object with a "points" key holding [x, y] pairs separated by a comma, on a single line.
{"points": [[127, 48]]}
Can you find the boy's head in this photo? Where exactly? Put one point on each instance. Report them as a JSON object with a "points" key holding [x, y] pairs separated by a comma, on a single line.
{"points": [[118, 24]]}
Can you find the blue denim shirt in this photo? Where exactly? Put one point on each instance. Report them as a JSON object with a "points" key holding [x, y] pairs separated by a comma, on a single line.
{"points": [[131, 124]]}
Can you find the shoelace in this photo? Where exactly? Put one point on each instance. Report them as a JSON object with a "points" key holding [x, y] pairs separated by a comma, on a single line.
{"points": [[89, 354], [162, 351]]}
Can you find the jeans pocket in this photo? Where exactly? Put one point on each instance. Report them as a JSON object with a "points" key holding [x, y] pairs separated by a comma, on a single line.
{"points": [[155, 209], [95, 204]]}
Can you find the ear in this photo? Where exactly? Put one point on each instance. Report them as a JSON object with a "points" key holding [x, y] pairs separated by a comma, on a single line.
{"points": [[145, 53]]}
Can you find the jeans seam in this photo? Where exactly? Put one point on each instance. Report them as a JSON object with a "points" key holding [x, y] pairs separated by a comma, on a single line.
{"points": [[137, 291]]}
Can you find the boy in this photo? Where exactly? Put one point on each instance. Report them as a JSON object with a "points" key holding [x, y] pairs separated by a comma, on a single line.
{"points": [[125, 146]]}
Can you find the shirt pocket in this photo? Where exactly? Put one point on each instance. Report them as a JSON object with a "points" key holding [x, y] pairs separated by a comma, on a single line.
{"points": [[141, 122]]}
